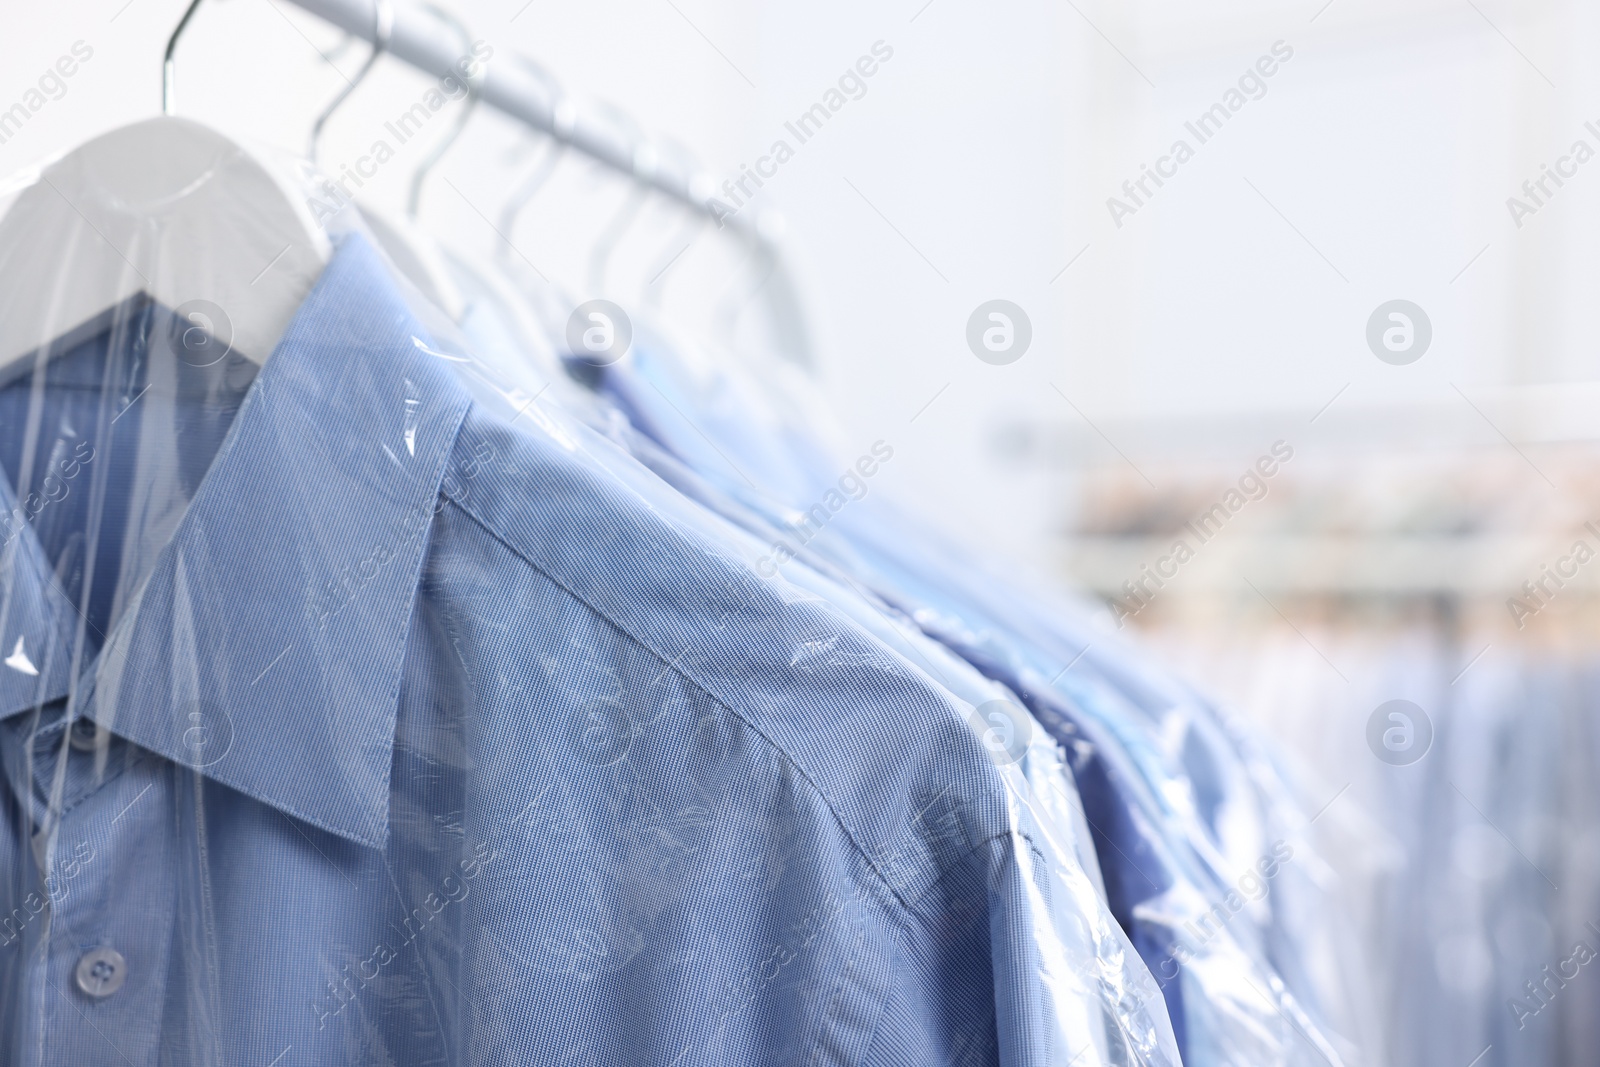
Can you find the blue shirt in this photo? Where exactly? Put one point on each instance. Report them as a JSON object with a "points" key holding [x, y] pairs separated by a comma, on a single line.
{"points": [[422, 740], [1156, 821], [1106, 1006]]}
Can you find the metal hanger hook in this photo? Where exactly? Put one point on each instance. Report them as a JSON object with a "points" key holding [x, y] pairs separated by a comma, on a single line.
{"points": [[553, 154], [530, 188], [382, 29], [685, 237], [759, 268], [474, 84], [600, 256], [169, 102]]}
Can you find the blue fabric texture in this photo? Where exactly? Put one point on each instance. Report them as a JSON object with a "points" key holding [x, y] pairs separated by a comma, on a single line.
{"points": [[413, 737], [1155, 815]]}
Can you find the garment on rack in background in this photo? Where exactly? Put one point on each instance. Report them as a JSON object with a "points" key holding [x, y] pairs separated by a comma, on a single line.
{"points": [[1114, 1014], [1478, 868], [1177, 821]]}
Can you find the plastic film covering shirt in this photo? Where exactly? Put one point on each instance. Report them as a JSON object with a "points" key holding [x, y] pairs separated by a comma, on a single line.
{"points": [[1231, 823], [346, 718], [1104, 1007], [1177, 820]]}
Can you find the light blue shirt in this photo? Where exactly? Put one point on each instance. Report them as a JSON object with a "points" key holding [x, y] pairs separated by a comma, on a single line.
{"points": [[1149, 761], [422, 739]]}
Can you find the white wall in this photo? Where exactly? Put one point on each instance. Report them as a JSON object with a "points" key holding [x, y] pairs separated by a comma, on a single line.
{"points": [[978, 164]]}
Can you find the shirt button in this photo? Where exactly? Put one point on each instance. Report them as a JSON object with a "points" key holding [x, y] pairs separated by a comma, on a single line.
{"points": [[101, 972], [82, 735]]}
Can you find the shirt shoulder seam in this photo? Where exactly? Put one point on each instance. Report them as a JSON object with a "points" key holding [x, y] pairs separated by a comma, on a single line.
{"points": [[676, 668], [969, 853], [921, 927]]}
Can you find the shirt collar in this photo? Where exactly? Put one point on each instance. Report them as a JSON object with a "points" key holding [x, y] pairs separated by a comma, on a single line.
{"points": [[265, 648]]}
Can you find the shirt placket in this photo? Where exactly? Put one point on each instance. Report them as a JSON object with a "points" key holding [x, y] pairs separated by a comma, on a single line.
{"points": [[99, 950]]}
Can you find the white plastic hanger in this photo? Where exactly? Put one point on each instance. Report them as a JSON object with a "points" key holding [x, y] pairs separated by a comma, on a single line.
{"points": [[416, 254], [203, 225]]}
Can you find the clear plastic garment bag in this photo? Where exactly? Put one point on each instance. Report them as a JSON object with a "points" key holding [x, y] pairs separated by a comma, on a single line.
{"points": [[1180, 808], [359, 707]]}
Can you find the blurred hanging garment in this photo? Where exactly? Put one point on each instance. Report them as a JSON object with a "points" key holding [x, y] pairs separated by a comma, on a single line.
{"points": [[1177, 821], [1106, 1008], [1480, 882]]}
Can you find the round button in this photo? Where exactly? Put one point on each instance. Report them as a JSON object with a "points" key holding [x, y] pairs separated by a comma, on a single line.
{"points": [[82, 735], [101, 972]]}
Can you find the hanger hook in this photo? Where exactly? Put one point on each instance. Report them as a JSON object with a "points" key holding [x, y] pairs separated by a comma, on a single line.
{"points": [[645, 161], [760, 267], [612, 235], [382, 29], [681, 240], [530, 187], [169, 103], [473, 83], [536, 179], [687, 234]]}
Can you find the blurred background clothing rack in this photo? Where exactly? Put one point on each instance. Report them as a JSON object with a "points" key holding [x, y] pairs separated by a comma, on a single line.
{"points": [[1409, 500], [1424, 551]]}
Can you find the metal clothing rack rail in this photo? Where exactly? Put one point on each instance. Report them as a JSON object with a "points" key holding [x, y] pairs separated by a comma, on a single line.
{"points": [[424, 41], [427, 42]]}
